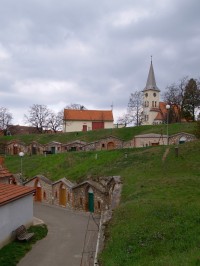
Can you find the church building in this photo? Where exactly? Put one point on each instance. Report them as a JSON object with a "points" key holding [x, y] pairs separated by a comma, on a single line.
{"points": [[154, 111]]}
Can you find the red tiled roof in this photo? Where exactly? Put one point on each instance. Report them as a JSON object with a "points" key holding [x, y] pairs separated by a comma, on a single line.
{"points": [[88, 115], [4, 172], [162, 112], [10, 193]]}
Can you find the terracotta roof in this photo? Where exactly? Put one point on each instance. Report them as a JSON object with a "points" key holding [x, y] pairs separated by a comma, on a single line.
{"points": [[162, 112], [88, 115], [10, 193], [4, 172]]}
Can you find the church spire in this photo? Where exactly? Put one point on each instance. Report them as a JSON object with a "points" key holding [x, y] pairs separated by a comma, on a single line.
{"points": [[151, 81]]}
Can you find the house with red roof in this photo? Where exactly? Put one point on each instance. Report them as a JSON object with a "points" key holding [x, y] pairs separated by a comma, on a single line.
{"points": [[5, 175], [85, 120], [16, 208]]}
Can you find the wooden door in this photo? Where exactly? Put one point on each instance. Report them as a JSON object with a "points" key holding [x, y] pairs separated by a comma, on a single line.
{"points": [[84, 127], [110, 145], [97, 125], [62, 195], [38, 195], [91, 202]]}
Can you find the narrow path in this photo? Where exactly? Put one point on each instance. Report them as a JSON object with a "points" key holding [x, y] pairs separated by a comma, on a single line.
{"points": [[65, 240], [165, 154]]}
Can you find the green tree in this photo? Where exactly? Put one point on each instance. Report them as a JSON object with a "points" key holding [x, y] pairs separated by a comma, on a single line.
{"points": [[191, 99]]}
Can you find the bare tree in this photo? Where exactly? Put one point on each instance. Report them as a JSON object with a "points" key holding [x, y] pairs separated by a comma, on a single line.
{"points": [[55, 120], [174, 95], [38, 117], [76, 106], [134, 110], [5, 119]]}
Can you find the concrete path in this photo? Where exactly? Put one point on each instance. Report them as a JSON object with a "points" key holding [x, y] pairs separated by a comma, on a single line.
{"points": [[69, 234]]}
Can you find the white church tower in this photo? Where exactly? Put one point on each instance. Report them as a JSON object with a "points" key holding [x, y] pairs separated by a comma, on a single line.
{"points": [[151, 99]]}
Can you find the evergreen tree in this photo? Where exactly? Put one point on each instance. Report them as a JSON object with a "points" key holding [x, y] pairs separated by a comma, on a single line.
{"points": [[191, 99]]}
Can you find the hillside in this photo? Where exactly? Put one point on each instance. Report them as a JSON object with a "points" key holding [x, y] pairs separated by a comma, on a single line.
{"points": [[124, 133], [157, 221]]}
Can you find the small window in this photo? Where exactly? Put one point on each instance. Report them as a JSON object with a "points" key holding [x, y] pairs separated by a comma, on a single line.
{"points": [[154, 94], [99, 205], [56, 194], [152, 103], [81, 201], [103, 145], [44, 195]]}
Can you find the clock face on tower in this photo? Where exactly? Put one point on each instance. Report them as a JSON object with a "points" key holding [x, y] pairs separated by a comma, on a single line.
{"points": [[146, 94], [154, 94]]}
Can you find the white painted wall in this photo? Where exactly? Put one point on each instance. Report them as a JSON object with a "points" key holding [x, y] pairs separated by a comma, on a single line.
{"points": [[77, 126], [143, 142], [14, 214], [151, 102]]}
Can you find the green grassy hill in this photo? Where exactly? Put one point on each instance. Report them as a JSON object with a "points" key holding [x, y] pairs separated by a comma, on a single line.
{"points": [[158, 219], [123, 133]]}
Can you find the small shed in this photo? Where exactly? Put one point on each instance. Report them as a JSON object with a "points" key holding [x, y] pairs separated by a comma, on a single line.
{"points": [[181, 138], [151, 139], [14, 147], [108, 143], [5, 176], [62, 193], [43, 188], [53, 147], [14, 199], [35, 148], [94, 196], [76, 145]]}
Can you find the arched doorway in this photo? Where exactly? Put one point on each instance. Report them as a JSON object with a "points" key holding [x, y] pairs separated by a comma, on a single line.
{"points": [[110, 145], [38, 193], [90, 200], [15, 149], [182, 140], [62, 195]]}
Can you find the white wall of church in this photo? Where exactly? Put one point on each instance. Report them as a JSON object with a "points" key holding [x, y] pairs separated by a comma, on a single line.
{"points": [[151, 100]]}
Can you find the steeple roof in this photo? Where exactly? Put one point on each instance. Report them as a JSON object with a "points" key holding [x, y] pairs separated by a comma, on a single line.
{"points": [[151, 81]]}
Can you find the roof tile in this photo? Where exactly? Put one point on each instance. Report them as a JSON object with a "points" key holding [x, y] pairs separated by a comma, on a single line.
{"points": [[10, 193], [88, 115]]}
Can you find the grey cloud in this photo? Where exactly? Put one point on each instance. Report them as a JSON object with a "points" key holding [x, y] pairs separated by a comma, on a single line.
{"points": [[102, 48]]}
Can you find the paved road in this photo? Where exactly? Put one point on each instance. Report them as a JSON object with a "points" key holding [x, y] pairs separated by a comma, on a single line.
{"points": [[69, 234]]}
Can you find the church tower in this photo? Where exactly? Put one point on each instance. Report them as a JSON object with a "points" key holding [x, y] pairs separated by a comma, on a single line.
{"points": [[151, 98]]}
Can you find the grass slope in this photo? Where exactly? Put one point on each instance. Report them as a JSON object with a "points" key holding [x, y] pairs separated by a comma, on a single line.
{"points": [[12, 253], [124, 133], [158, 219]]}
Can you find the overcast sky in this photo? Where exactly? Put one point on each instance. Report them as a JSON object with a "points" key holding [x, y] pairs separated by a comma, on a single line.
{"points": [[95, 53]]}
